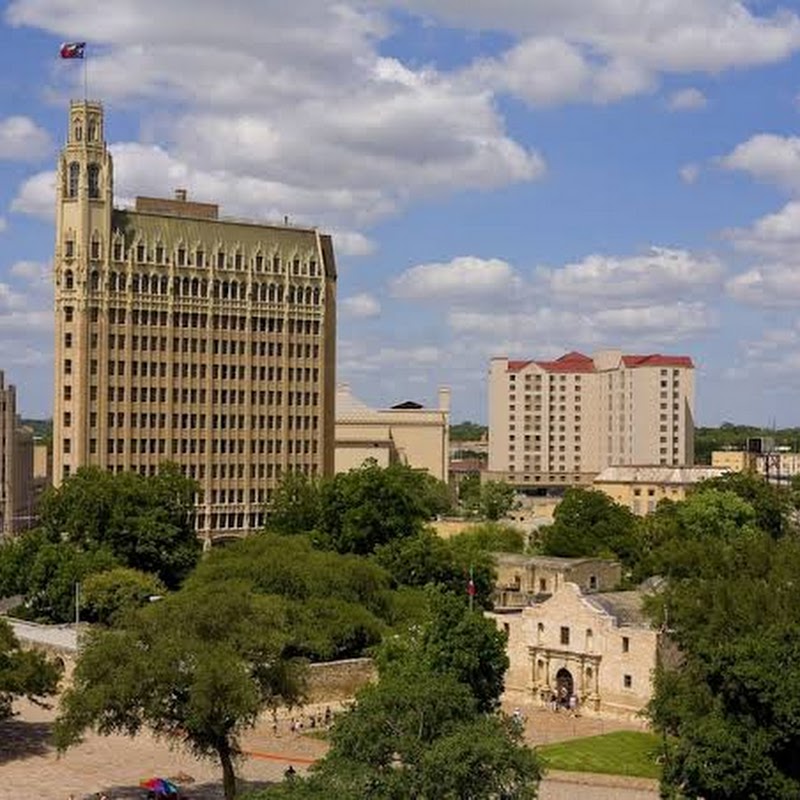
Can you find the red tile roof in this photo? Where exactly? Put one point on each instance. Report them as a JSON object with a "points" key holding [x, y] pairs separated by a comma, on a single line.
{"points": [[578, 362], [657, 360]]}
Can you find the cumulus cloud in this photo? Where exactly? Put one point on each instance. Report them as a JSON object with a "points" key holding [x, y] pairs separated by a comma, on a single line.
{"points": [[767, 157], [361, 305], [463, 278], [661, 273], [21, 139], [768, 285], [690, 99], [776, 234], [37, 196], [292, 112], [599, 51]]}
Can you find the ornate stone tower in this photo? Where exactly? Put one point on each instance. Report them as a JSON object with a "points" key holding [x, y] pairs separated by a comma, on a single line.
{"points": [[84, 205]]}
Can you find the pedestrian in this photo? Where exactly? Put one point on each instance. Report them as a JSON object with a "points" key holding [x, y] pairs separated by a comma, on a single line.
{"points": [[290, 773]]}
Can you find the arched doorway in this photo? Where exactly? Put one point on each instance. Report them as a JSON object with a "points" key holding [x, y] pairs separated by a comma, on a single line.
{"points": [[565, 687]]}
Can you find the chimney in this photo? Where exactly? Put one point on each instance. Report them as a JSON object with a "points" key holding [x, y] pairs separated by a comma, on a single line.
{"points": [[180, 194]]}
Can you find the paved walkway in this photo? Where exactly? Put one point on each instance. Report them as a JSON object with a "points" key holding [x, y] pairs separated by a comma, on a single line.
{"points": [[60, 636], [30, 768]]}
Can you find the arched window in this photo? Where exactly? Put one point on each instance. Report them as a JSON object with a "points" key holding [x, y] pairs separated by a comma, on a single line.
{"points": [[123, 280], [234, 290], [135, 284], [94, 280], [195, 287], [91, 132], [185, 287], [308, 296], [69, 279], [164, 285], [290, 298], [176, 287], [215, 289], [74, 178], [203, 288], [112, 282], [145, 284], [225, 291], [316, 295], [94, 180], [271, 293], [280, 294], [78, 130]]}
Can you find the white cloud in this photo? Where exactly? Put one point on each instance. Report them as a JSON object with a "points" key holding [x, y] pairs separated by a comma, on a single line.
{"points": [[21, 139], [776, 234], [661, 273], [352, 243], [769, 158], [689, 173], [689, 99], [37, 196], [288, 112], [360, 305], [36, 275], [768, 285], [463, 278], [598, 50]]}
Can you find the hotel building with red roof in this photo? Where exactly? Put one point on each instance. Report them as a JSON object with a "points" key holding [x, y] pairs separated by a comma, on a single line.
{"points": [[559, 423]]}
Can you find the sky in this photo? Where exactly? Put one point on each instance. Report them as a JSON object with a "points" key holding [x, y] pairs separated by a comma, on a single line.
{"points": [[513, 178]]}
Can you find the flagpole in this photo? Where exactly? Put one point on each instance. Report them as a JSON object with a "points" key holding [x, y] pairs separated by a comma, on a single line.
{"points": [[85, 78]]}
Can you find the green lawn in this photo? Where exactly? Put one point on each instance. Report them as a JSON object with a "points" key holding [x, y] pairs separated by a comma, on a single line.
{"points": [[620, 753]]}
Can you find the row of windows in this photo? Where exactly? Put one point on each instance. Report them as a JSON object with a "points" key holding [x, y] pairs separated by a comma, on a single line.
{"points": [[74, 179], [158, 394], [218, 290], [153, 446], [117, 419]]}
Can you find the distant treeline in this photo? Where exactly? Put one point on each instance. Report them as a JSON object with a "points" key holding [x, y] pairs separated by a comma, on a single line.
{"points": [[734, 437], [42, 428]]}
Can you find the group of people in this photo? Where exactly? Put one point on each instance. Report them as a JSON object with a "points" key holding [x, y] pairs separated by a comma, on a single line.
{"points": [[313, 721]]}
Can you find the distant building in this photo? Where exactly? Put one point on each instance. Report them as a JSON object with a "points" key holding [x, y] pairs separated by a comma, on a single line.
{"points": [[559, 423], [407, 433], [523, 580], [640, 488], [598, 648], [776, 465], [16, 465]]}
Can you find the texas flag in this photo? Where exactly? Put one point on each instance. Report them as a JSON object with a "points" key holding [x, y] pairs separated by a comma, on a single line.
{"points": [[72, 49]]}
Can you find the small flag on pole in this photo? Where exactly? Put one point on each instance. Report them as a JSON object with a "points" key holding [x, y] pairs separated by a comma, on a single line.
{"points": [[72, 49], [471, 585]]}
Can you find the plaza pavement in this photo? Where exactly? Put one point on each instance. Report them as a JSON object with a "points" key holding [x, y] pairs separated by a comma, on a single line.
{"points": [[31, 769]]}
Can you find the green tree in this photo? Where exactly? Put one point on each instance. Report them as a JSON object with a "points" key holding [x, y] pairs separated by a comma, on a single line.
{"points": [[468, 432], [23, 673], [107, 596], [496, 499], [730, 711], [425, 730], [588, 523], [370, 506], [491, 537], [338, 604], [469, 493], [147, 523], [425, 559], [197, 667], [295, 505]]}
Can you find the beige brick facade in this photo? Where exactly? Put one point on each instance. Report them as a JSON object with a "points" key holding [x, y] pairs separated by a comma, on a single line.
{"points": [[559, 423], [184, 336], [16, 465], [596, 647]]}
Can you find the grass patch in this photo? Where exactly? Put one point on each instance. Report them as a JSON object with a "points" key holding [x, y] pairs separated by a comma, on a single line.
{"points": [[629, 753]]}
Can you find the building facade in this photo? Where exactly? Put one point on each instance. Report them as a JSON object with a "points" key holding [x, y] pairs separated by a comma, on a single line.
{"points": [[559, 423], [407, 433], [184, 336], [16, 465], [640, 488], [596, 648]]}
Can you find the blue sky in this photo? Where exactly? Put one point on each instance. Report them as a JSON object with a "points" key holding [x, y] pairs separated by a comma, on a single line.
{"points": [[502, 177]]}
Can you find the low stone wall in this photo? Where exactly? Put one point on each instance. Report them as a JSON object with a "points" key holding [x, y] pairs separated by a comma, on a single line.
{"points": [[336, 681]]}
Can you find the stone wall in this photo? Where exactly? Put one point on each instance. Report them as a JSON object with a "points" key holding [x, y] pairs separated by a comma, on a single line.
{"points": [[339, 680]]}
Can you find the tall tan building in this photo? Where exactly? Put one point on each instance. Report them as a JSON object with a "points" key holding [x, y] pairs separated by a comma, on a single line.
{"points": [[557, 423], [16, 465], [188, 337]]}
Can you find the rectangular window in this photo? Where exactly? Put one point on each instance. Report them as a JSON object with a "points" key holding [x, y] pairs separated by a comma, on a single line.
{"points": [[564, 635], [627, 681], [626, 644]]}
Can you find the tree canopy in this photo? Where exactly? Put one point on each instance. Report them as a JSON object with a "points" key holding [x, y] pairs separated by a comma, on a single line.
{"points": [[426, 729], [356, 511], [198, 667], [590, 523], [23, 673], [145, 522]]}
